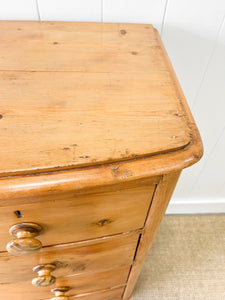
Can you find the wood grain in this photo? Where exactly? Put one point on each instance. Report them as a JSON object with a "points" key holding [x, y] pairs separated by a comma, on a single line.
{"points": [[24, 242], [78, 218], [125, 172], [44, 277], [71, 259], [110, 294], [101, 121], [70, 111], [79, 284], [159, 204], [78, 47], [82, 97]]}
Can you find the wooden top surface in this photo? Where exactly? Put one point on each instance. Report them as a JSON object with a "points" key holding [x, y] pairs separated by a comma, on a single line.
{"points": [[80, 94]]}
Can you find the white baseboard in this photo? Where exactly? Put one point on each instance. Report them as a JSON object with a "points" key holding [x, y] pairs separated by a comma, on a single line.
{"points": [[196, 206]]}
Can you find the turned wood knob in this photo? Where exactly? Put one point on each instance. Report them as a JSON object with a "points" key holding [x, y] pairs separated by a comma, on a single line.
{"points": [[44, 275], [24, 242], [60, 293]]}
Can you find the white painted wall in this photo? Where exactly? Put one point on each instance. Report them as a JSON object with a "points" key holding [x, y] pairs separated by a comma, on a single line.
{"points": [[194, 35]]}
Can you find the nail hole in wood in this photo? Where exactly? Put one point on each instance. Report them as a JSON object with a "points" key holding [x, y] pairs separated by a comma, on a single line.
{"points": [[122, 31]]}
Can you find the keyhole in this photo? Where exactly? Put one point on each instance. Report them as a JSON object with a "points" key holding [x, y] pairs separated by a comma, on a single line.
{"points": [[18, 214]]}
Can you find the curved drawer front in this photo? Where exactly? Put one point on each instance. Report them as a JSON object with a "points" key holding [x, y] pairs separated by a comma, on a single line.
{"points": [[112, 294], [79, 285], [72, 259], [80, 218]]}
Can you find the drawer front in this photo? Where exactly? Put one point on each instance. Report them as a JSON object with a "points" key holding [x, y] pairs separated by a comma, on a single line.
{"points": [[80, 218], [112, 294], [72, 259], [79, 285]]}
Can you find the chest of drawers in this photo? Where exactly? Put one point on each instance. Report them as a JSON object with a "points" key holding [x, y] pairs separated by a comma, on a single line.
{"points": [[94, 132]]}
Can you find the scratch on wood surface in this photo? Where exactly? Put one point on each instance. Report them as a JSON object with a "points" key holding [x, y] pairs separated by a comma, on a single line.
{"points": [[115, 171]]}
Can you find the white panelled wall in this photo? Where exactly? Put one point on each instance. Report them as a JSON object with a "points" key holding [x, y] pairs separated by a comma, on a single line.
{"points": [[193, 32]]}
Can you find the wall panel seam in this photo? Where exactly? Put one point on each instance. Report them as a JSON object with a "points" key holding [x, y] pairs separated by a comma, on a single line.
{"points": [[102, 10], [164, 18], [208, 159], [38, 10], [208, 62], [196, 100]]}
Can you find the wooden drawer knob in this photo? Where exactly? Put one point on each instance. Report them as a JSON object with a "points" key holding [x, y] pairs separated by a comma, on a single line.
{"points": [[24, 242], [60, 293], [44, 275]]}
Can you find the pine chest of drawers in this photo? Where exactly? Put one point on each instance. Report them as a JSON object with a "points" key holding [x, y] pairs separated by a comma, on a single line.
{"points": [[94, 132]]}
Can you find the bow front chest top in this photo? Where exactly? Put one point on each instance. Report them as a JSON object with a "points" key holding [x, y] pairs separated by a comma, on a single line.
{"points": [[94, 132]]}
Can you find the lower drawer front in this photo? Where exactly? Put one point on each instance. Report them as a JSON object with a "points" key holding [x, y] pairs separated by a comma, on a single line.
{"points": [[71, 259], [79, 285], [113, 294]]}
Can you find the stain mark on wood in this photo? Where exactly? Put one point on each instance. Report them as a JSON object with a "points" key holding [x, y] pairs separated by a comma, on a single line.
{"points": [[78, 267], [134, 53], [55, 43], [179, 115], [115, 171], [123, 32], [6, 259], [60, 265], [84, 156], [66, 148], [104, 222], [1, 116], [128, 173]]}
